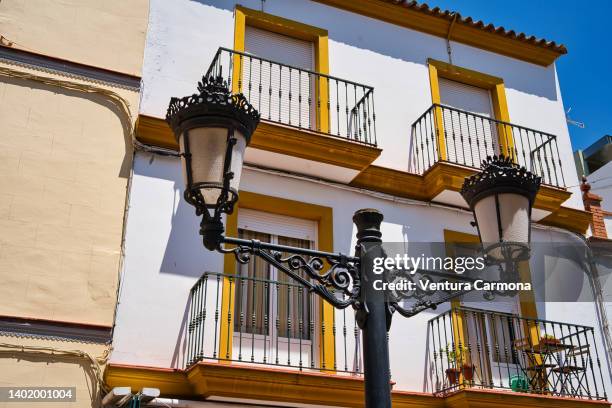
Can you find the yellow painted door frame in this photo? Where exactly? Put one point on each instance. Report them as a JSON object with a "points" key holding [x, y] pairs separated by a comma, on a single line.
{"points": [[457, 319], [527, 301], [437, 112], [324, 218], [318, 36]]}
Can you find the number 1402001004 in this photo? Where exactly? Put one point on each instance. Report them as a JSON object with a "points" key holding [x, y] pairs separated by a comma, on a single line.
{"points": [[14, 394]]}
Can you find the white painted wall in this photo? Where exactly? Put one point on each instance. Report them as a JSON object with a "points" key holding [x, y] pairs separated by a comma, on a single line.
{"points": [[601, 184], [164, 254], [184, 35], [165, 257]]}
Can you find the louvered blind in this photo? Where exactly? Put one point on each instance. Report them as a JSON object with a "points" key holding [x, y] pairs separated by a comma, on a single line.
{"points": [[276, 224], [469, 139], [279, 93]]}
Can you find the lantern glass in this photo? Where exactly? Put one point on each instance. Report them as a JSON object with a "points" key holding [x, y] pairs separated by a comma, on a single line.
{"points": [[207, 147], [503, 218]]}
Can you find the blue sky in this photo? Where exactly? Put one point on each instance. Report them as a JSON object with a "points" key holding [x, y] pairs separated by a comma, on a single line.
{"points": [[585, 72]]}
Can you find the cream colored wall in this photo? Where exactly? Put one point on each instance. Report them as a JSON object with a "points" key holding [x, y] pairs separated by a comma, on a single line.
{"points": [[65, 158], [108, 34], [34, 367]]}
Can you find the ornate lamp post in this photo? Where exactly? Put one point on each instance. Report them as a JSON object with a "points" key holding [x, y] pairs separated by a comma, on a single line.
{"points": [[501, 197], [213, 129]]}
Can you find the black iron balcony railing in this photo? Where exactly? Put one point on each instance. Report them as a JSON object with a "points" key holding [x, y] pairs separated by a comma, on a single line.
{"points": [[444, 133], [491, 350], [298, 97], [268, 322]]}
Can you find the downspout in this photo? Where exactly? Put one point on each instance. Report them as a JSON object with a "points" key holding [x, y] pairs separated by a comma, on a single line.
{"points": [[449, 51]]}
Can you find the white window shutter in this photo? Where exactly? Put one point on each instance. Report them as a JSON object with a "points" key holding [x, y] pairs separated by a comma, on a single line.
{"points": [[275, 224], [469, 139], [279, 93]]}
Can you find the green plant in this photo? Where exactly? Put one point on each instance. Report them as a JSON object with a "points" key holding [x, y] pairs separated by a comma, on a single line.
{"points": [[454, 354]]}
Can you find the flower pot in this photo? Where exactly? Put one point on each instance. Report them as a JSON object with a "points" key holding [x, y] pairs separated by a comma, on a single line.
{"points": [[468, 372], [452, 375]]}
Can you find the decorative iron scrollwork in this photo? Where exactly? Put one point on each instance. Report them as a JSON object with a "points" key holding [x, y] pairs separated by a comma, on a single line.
{"points": [[424, 298], [214, 99], [500, 172], [339, 284]]}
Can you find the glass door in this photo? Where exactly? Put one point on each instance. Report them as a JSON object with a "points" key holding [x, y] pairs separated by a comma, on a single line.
{"points": [[274, 316]]}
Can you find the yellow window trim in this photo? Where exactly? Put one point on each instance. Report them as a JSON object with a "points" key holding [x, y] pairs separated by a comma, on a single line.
{"points": [[440, 69], [246, 16], [281, 206]]}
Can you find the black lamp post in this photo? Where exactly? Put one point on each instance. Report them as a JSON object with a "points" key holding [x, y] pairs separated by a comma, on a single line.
{"points": [[213, 129]]}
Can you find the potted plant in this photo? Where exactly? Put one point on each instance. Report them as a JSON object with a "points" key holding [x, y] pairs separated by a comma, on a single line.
{"points": [[458, 364]]}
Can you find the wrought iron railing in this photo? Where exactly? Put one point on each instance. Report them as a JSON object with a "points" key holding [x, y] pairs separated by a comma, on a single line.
{"points": [[491, 350], [444, 133], [268, 322], [298, 97]]}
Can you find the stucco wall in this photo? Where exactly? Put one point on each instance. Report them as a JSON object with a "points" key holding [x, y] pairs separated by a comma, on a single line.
{"points": [[36, 368], [65, 157], [107, 34], [390, 58], [601, 184]]}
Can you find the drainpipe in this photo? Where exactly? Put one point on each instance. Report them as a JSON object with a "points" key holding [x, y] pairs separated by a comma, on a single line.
{"points": [[449, 51]]}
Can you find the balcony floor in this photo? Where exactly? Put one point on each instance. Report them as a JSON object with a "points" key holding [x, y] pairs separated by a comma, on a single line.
{"points": [[240, 381]]}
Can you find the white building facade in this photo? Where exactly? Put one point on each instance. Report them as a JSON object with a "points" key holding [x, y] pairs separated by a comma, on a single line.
{"points": [[365, 104]]}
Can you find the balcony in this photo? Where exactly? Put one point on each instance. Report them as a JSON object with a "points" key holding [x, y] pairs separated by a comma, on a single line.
{"points": [[311, 123], [299, 98], [446, 134], [479, 349], [326, 125], [268, 323], [253, 338]]}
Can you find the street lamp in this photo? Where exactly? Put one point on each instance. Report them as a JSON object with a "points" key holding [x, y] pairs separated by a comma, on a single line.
{"points": [[213, 129], [501, 198]]}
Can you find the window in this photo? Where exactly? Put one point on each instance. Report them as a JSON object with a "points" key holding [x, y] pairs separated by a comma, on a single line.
{"points": [[273, 303], [279, 217], [273, 311], [288, 42], [469, 138], [462, 139], [280, 93]]}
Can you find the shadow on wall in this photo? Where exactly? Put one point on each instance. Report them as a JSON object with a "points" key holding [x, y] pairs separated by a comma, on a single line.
{"points": [[169, 241], [184, 253], [180, 347], [49, 362], [374, 36], [99, 99]]}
